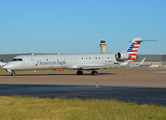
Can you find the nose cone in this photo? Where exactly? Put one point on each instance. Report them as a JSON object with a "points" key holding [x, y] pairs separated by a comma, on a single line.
{"points": [[7, 66]]}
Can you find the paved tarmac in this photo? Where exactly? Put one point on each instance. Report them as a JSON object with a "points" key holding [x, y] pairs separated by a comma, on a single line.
{"points": [[134, 85]]}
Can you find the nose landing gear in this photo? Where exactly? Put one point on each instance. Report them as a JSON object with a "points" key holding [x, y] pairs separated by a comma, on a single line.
{"points": [[13, 73]]}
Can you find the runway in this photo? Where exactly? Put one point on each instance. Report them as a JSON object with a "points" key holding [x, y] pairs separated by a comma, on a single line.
{"points": [[134, 85]]}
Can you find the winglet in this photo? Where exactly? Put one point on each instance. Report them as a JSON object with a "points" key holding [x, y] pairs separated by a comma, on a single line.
{"points": [[142, 61]]}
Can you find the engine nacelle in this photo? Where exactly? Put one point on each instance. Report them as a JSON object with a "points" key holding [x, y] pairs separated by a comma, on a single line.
{"points": [[122, 56]]}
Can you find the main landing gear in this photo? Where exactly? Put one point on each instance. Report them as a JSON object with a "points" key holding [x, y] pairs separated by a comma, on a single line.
{"points": [[13, 73], [79, 72], [94, 72]]}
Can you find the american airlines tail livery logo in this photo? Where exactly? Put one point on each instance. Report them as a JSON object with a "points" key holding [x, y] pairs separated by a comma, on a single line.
{"points": [[37, 63]]}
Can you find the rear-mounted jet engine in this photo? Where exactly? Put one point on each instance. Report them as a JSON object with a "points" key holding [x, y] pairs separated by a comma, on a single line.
{"points": [[122, 56]]}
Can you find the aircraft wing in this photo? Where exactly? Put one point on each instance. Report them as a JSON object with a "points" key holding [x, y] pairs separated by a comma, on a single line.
{"points": [[126, 64], [131, 65], [101, 66]]}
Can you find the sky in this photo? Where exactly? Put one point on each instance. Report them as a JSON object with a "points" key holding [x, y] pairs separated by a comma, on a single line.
{"points": [[78, 26]]}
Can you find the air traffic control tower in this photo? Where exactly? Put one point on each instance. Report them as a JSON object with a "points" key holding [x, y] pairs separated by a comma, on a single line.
{"points": [[102, 46]]}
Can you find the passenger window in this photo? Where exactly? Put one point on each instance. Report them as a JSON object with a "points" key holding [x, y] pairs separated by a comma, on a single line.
{"points": [[99, 57], [96, 57], [108, 57]]}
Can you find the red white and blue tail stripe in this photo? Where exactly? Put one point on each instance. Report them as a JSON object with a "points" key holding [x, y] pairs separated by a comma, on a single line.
{"points": [[133, 48]]}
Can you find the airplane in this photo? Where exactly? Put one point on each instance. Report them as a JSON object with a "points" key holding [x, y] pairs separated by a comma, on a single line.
{"points": [[77, 62], [2, 63], [141, 64]]}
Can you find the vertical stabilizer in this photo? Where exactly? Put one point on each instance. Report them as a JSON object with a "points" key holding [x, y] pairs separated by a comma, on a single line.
{"points": [[133, 48]]}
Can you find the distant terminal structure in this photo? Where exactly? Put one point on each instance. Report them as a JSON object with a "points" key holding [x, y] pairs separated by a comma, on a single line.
{"points": [[156, 60], [102, 46]]}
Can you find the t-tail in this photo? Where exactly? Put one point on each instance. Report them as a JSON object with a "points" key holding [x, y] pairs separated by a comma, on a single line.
{"points": [[133, 49], [130, 54]]}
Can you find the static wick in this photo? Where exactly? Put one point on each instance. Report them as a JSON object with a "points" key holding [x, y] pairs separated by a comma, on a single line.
{"points": [[97, 85]]}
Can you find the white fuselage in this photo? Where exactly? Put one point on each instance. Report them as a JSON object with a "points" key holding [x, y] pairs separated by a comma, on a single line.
{"points": [[69, 61]]}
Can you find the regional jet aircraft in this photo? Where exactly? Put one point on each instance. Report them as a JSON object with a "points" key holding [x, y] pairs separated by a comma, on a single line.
{"points": [[2, 63], [78, 62]]}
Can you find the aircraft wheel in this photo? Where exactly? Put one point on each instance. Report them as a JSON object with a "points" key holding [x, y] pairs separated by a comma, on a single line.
{"points": [[79, 73], [94, 73], [13, 73]]}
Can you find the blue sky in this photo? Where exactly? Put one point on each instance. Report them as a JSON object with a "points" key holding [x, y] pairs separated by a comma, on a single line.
{"points": [[75, 26]]}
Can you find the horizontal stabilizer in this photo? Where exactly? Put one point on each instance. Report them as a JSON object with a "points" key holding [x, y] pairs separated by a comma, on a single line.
{"points": [[141, 40]]}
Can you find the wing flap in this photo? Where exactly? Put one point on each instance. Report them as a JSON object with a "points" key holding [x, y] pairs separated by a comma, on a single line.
{"points": [[101, 66]]}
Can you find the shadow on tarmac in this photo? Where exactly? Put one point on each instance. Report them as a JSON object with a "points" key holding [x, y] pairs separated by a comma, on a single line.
{"points": [[140, 95], [46, 74]]}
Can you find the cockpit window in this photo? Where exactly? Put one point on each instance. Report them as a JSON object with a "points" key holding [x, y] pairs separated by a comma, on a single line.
{"points": [[16, 59]]}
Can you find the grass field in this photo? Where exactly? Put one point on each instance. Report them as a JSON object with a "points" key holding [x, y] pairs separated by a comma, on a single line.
{"points": [[19, 108]]}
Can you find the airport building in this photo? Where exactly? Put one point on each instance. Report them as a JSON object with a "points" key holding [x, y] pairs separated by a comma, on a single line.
{"points": [[156, 60], [102, 46]]}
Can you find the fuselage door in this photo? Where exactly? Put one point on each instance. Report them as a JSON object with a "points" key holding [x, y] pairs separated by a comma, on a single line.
{"points": [[28, 61]]}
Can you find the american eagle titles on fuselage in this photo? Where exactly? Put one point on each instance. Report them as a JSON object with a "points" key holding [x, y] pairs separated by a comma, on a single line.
{"points": [[78, 62]]}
